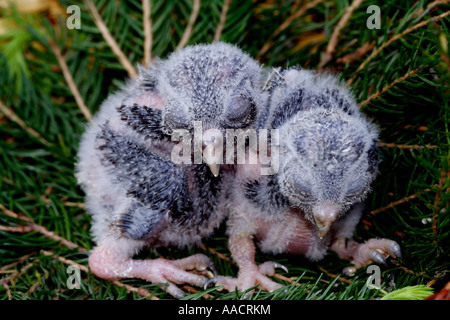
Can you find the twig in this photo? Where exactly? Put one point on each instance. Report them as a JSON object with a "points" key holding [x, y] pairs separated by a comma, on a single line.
{"points": [[406, 269], [193, 290], [393, 39], [11, 115], [148, 34], [69, 244], [286, 24], [389, 86], [357, 54], [188, 32], [15, 275], [110, 40], [331, 47], [18, 261], [8, 291], [223, 18], [215, 252], [406, 146], [69, 80], [31, 226], [398, 202], [430, 6]]}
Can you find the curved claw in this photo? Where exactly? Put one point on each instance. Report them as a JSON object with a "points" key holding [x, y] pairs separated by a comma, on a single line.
{"points": [[395, 249], [377, 257], [268, 268], [208, 283], [349, 271], [281, 266]]}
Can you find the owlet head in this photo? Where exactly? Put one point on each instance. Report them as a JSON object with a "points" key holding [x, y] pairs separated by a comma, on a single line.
{"points": [[327, 163]]}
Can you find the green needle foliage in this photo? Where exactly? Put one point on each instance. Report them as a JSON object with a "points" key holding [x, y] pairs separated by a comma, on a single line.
{"points": [[400, 72]]}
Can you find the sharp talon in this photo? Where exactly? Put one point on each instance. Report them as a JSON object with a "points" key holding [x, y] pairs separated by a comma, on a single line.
{"points": [[377, 257], [282, 267], [349, 271], [212, 268], [395, 248], [208, 283]]}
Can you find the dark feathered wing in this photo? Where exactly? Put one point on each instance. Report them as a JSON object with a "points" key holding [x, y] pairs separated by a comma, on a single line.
{"points": [[156, 186]]}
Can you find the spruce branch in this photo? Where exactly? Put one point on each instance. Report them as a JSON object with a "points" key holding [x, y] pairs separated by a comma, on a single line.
{"points": [[148, 34], [69, 80], [295, 15], [190, 26], [223, 18], [110, 40], [405, 146], [392, 40], [332, 43], [399, 202], [11, 115], [389, 86], [32, 226]]}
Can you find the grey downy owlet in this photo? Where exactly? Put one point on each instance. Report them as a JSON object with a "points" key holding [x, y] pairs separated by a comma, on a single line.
{"points": [[328, 159], [138, 196]]}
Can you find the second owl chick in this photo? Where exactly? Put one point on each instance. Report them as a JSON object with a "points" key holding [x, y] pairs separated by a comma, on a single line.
{"points": [[328, 159]]}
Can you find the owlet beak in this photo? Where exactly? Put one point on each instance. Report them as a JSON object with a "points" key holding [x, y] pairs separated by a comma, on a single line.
{"points": [[324, 216], [209, 158], [213, 150]]}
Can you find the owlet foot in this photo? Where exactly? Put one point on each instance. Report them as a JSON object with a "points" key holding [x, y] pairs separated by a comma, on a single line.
{"points": [[107, 264], [250, 277], [372, 251]]}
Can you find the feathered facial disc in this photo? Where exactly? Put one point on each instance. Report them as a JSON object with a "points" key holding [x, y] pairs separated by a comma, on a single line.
{"points": [[217, 84], [328, 158]]}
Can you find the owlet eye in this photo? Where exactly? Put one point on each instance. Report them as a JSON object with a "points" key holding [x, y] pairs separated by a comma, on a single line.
{"points": [[301, 187], [241, 112], [355, 188]]}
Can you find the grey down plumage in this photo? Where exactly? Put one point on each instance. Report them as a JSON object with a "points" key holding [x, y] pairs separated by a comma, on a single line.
{"points": [[327, 160], [137, 195]]}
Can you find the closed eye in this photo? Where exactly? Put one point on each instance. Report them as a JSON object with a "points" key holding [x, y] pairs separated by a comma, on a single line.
{"points": [[241, 112], [356, 188], [301, 187]]}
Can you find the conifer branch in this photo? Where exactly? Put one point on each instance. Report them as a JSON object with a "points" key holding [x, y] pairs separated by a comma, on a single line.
{"points": [[190, 26], [301, 11], [32, 226], [110, 40], [389, 86], [11, 115], [69, 80], [398, 202], [148, 34], [223, 18], [332, 44], [406, 146], [393, 39]]}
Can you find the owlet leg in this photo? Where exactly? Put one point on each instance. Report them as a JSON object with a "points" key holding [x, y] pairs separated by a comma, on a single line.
{"points": [[110, 263]]}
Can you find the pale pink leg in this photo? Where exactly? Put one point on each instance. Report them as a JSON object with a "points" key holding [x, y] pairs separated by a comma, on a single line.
{"points": [[363, 254], [111, 264], [243, 251]]}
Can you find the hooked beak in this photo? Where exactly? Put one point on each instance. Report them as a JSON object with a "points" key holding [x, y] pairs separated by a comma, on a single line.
{"points": [[212, 150], [324, 216]]}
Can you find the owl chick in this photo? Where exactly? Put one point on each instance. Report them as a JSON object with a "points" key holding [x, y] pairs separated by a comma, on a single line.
{"points": [[137, 194], [328, 158]]}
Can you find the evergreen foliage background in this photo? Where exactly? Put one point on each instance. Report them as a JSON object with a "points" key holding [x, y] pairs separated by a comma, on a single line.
{"points": [[400, 73]]}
